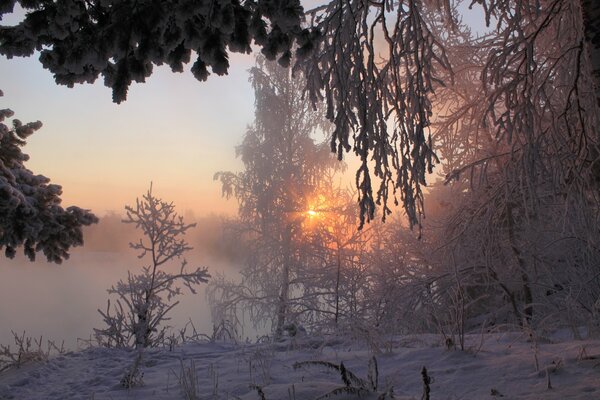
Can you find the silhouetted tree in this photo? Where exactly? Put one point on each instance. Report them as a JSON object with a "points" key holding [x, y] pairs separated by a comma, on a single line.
{"points": [[122, 41]]}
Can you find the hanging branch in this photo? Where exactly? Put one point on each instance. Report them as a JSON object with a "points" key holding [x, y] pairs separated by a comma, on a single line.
{"points": [[375, 66]]}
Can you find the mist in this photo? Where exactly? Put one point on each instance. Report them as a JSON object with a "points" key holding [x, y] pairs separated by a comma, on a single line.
{"points": [[60, 302]]}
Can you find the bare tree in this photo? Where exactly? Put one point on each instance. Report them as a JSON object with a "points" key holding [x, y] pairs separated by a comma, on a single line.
{"points": [[145, 299], [526, 154]]}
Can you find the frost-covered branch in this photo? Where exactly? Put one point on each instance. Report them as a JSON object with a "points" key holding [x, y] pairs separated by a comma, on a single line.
{"points": [[145, 299], [162, 228], [376, 66], [30, 212]]}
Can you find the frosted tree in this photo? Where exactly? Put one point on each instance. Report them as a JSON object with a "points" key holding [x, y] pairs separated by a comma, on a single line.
{"points": [[30, 212], [282, 167], [123, 41], [144, 299], [335, 250], [525, 154], [396, 295]]}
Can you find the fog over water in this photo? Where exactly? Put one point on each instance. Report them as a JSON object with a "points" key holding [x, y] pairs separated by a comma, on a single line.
{"points": [[60, 302]]}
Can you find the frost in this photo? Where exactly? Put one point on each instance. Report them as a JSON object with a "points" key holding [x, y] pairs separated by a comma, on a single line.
{"points": [[137, 317], [30, 213]]}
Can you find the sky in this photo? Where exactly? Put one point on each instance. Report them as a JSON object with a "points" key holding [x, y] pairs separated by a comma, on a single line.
{"points": [[173, 131]]}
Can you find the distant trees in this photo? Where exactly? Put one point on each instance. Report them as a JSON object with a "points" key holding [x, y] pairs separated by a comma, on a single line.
{"points": [[136, 320], [30, 212], [308, 263]]}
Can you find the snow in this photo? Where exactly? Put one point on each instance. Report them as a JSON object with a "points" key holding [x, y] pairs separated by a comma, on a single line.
{"points": [[495, 365]]}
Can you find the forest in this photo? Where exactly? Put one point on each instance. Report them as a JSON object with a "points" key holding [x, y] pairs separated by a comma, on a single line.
{"points": [[417, 171]]}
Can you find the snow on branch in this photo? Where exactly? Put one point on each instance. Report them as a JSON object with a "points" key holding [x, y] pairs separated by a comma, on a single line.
{"points": [[30, 212], [540, 96], [376, 67], [144, 300], [123, 41]]}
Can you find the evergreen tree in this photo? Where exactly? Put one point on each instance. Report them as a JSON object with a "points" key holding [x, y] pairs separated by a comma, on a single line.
{"points": [[30, 212], [122, 40]]}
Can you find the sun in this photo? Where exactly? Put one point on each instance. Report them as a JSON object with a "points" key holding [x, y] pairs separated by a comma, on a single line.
{"points": [[312, 213]]}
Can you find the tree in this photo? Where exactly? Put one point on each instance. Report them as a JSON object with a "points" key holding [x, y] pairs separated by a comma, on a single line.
{"points": [[122, 41], [525, 154], [336, 248], [590, 11], [282, 168], [144, 300], [31, 214]]}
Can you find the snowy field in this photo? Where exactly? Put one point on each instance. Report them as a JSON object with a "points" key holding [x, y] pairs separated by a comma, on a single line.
{"points": [[496, 365]]}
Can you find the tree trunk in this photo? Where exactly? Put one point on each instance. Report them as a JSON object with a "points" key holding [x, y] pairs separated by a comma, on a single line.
{"points": [[142, 332], [337, 285], [527, 294], [591, 28], [284, 294]]}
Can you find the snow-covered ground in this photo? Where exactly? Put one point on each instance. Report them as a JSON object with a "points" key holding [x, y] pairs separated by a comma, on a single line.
{"points": [[496, 365]]}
